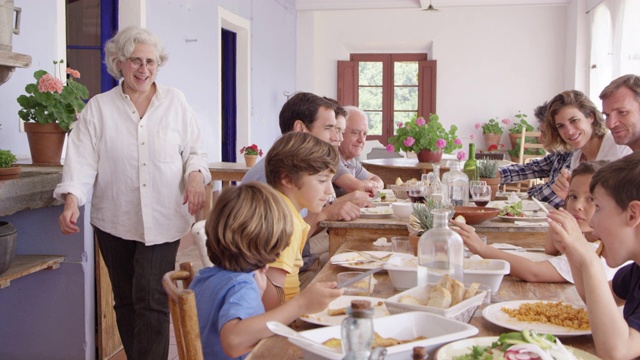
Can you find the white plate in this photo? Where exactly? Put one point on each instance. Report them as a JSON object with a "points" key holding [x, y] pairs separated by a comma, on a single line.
{"points": [[462, 347], [376, 212], [494, 314], [323, 318], [527, 205], [348, 256], [525, 219]]}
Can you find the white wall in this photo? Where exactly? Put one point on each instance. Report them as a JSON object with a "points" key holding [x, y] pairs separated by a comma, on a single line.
{"points": [[492, 60], [192, 65]]}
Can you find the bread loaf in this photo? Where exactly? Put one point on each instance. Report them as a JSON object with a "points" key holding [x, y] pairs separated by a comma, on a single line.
{"points": [[439, 297], [457, 295]]}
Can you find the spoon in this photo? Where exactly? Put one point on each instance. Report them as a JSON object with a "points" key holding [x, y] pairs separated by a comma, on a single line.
{"points": [[283, 330]]}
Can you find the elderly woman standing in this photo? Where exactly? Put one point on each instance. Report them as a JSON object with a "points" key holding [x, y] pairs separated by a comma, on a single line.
{"points": [[138, 147]]}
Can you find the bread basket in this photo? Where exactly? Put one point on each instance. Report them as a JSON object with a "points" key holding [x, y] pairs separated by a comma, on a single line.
{"points": [[462, 311], [400, 191]]}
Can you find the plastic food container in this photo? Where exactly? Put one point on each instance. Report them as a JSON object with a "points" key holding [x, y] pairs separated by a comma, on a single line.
{"points": [[437, 331]]}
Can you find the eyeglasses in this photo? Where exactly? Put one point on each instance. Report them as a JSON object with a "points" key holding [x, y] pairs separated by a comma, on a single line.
{"points": [[137, 62]]}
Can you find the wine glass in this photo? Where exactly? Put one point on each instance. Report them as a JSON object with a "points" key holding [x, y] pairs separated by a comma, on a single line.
{"points": [[481, 194], [417, 192]]}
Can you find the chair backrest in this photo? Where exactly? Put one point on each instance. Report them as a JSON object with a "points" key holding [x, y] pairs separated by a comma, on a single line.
{"points": [[200, 239], [527, 142], [182, 304]]}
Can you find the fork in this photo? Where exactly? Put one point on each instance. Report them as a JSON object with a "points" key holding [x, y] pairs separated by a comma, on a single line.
{"points": [[279, 289]]}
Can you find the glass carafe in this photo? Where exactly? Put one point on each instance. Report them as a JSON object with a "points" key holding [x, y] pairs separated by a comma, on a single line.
{"points": [[357, 331], [435, 185], [456, 185], [440, 251]]}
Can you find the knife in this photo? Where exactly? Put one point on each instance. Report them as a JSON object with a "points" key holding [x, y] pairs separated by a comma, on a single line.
{"points": [[359, 277]]}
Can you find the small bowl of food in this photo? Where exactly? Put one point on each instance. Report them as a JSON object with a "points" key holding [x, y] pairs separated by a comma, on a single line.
{"points": [[474, 215]]}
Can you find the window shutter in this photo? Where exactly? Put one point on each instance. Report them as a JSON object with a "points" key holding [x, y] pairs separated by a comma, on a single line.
{"points": [[348, 83], [427, 87]]}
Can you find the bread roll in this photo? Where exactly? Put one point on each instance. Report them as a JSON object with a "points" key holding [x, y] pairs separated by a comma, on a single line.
{"points": [[445, 282], [457, 295], [408, 299], [471, 291], [439, 297]]}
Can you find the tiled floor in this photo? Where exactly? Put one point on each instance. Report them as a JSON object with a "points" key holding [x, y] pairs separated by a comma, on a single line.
{"points": [[187, 252]]}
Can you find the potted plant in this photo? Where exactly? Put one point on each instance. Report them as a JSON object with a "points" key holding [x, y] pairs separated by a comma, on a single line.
{"points": [[421, 219], [492, 131], [516, 130], [251, 154], [7, 168], [428, 139], [487, 170], [49, 109]]}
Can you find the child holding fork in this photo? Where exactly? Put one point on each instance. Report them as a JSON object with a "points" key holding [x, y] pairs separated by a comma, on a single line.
{"points": [[247, 229], [578, 203], [616, 192]]}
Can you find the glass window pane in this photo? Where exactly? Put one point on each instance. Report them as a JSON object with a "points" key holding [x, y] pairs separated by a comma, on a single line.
{"points": [[370, 74], [405, 98], [402, 117], [85, 28], [405, 73], [375, 122], [370, 98]]}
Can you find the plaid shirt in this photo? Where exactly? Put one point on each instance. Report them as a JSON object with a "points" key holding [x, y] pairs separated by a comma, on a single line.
{"points": [[549, 166]]}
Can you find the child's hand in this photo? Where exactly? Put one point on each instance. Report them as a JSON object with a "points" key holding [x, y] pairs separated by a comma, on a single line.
{"points": [[560, 185], [260, 277], [568, 238], [469, 236], [316, 297]]}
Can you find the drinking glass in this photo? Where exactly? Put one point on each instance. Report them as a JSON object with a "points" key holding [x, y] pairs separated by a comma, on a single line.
{"points": [[481, 194], [417, 192], [401, 244]]}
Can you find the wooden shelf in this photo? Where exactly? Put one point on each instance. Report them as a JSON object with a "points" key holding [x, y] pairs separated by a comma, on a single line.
{"points": [[28, 264]]}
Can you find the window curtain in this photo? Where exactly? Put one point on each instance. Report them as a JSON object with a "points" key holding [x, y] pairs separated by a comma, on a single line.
{"points": [[229, 101]]}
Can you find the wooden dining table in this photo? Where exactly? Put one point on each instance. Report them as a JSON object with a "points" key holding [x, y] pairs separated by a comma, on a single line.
{"points": [[512, 288], [367, 229]]}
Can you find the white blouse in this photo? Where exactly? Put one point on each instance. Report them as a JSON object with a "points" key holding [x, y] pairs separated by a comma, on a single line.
{"points": [[609, 150], [137, 168]]}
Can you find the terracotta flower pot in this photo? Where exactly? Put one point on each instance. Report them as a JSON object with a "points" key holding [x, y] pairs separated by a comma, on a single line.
{"points": [[250, 160], [45, 142], [12, 172], [413, 241], [513, 138], [492, 139], [429, 156], [8, 237]]}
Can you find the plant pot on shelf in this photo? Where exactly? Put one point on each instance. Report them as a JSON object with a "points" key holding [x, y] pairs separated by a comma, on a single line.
{"points": [[491, 139], [513, 138], [250, 160], [494, 183], [45, 142], [429, 156], [8, 237], [9, 173]]}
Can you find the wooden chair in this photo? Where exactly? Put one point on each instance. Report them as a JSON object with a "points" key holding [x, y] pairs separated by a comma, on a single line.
{"points": [[182, 304], [525, 144]]}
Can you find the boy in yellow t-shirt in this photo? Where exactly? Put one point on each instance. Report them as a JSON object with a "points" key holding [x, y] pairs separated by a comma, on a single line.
{"points": [[300, 166]]}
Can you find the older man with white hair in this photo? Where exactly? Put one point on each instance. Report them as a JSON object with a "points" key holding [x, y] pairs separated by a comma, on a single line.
{"points": [[355, 135]]}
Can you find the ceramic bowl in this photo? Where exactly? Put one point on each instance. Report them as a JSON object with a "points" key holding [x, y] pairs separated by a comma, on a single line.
{"points": [[475, 215], [402, 210]]}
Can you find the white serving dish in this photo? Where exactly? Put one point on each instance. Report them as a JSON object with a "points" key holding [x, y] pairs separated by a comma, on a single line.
{"points": [[437, 330], [488, 272], [402, 210], [402, 271], [462, 311]]}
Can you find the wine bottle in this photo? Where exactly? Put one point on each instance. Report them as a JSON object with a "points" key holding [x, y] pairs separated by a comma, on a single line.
{"points": [[471, 165]]}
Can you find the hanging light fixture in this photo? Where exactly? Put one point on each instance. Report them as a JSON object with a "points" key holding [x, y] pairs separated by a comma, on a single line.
{"points": [[430, 8]]}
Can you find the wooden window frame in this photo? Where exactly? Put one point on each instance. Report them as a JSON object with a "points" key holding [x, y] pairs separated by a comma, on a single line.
{"points": [[348, 81]]}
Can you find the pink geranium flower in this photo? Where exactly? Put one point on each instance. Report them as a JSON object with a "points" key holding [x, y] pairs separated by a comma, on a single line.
{"points": [[399, 124], [441, 143], [506, 121], [472, 137], [48, 83], [390, 148], [461, 155], [420, 121], [478, 125], [409, 141], [457, 141]]}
